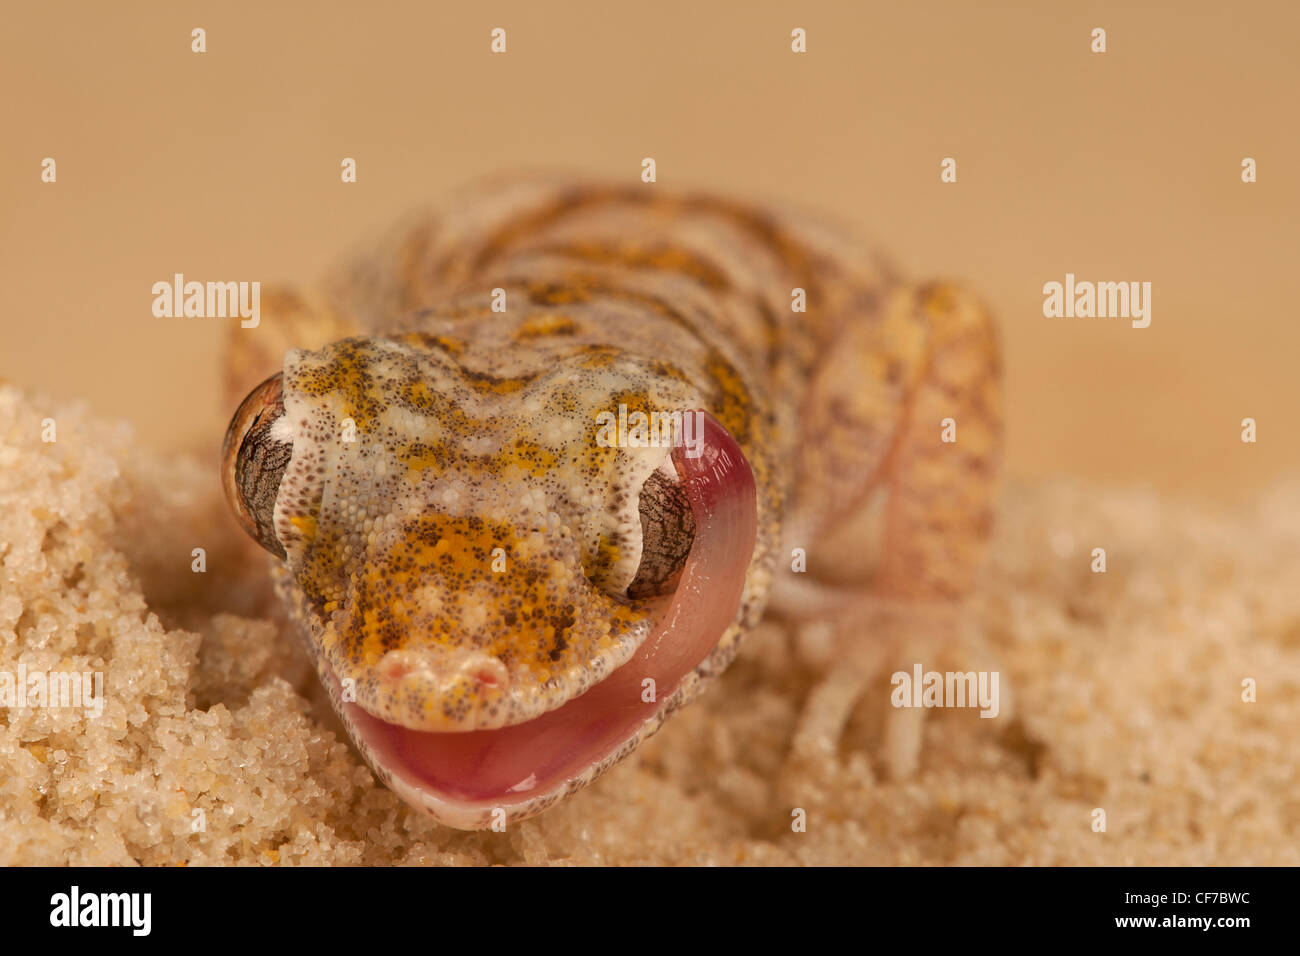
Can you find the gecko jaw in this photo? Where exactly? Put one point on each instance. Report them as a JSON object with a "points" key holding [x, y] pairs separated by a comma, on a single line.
{"points": [[464, 779]]}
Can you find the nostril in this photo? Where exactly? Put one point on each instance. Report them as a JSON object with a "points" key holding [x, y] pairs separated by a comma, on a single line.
{"points": [[394, 669], [488, 673]]}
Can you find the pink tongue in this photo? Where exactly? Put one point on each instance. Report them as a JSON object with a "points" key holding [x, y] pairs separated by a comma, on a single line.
{"points": [[520, 763]]}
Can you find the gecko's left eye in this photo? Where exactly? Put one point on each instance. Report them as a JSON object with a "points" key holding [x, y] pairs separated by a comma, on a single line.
{"points": [[667, 532], [253, 458]]}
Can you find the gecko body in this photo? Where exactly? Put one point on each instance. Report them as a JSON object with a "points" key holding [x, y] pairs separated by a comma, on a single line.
{"points": [[503, 604]]}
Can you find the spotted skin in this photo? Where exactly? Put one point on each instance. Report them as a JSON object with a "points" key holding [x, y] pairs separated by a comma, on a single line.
{"points": [[459, 551]]}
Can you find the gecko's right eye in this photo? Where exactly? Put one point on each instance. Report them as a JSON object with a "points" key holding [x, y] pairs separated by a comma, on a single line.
{"points": [[254, 455], [667, 533]]}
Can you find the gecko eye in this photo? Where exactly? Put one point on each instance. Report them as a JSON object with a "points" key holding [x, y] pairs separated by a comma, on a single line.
{"points": [[253, 458], [667, 532]]}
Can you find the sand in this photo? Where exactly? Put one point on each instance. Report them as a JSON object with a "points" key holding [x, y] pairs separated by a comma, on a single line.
{"points": [[1122, 692]]}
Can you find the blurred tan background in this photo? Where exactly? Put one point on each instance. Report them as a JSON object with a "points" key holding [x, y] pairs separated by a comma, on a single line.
{"points": [[1121, 166]]}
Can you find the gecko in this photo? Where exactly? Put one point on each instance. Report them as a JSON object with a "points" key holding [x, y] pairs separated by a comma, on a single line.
{"points": [[502, 600]]}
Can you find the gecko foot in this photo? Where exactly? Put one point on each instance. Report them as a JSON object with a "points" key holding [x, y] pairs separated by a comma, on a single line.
{"points": [[882, 665]]}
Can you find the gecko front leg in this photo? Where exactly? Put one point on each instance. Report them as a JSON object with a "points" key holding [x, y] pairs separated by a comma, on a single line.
{"points": [[893, 502]]}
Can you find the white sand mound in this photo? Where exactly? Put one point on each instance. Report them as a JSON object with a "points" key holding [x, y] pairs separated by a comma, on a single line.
{"points": [[215, 746]]}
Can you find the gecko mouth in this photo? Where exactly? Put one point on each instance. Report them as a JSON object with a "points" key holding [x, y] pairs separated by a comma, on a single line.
{"points": [[461, 778]]}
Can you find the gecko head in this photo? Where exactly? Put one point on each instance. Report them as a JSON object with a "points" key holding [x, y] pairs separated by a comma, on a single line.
{"points": [[504, 585]]}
